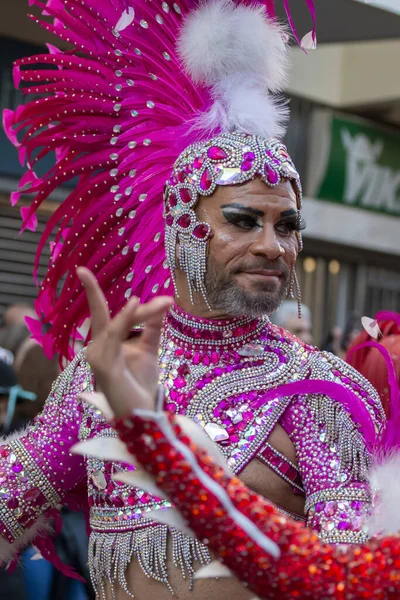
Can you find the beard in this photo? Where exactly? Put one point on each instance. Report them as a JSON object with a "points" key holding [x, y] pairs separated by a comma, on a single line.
{"points": [[224, 293]]}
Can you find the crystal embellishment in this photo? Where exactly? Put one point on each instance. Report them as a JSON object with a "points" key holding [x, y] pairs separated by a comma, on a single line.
{"points": [[99, 480], [216, 432]]}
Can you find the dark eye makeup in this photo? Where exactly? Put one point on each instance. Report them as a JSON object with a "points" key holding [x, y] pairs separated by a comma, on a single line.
{"points": [[243, 220]]}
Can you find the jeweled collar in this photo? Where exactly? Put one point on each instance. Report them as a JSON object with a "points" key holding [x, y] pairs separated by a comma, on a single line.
{"points": [[236, 331]]}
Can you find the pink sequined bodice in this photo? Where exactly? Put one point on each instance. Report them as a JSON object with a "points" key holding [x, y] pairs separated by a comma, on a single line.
{"points": [[215, 372]]}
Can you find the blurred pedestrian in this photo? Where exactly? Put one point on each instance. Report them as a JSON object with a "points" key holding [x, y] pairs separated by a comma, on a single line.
{"points": [[287, 317], [333, 342]]}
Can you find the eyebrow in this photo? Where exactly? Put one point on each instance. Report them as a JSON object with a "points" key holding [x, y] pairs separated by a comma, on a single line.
{"points": [[247, 209], [289, 213]]}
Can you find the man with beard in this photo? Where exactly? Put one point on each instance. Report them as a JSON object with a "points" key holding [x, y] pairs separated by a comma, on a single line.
{"points": [[223, 240]]}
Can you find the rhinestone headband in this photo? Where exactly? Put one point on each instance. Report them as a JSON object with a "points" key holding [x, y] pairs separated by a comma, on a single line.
{"points": [[228, 159]]}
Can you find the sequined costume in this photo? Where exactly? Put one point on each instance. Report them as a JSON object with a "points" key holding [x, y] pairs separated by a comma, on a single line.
{"points": [[152, 109], [273, 555], [215, 373]]}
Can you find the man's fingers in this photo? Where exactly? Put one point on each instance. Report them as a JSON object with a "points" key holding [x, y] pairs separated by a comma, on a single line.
{"points": [[96, 300], [122, 323], [152, 317]]}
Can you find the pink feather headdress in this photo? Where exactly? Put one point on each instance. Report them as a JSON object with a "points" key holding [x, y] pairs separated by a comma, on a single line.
{"points": [[144, 80]]}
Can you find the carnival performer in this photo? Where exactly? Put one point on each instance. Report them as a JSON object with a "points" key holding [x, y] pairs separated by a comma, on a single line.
{"points": [[156, 97], [270, 553]]}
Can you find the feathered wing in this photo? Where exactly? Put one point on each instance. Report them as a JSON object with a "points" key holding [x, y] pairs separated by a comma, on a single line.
{"points": [[115, 112]]}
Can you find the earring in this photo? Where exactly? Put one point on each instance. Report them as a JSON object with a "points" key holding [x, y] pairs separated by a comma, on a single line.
{"points": [[294, 291], [298, 293], [192, 240], [193, 262]]}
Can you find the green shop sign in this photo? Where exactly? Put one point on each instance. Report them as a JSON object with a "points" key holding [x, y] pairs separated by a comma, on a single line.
{"points": [[354, 162]]}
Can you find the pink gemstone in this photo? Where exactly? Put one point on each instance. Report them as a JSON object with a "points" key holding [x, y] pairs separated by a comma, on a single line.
{"points": [[184, 370], [184, 221], [248, 415], [173, 394], [343, 525], [169, 219], [201, 231], [173, 180], [216, 153], [186, 195], [249, 156], [196, 358], [246, 165], [12, 503], [181, 176], [171, 407], [17, 468], [179, 382], [206, 180], [173, 200], [330, 508], [271, 175], [198, 162], [268, 153], [215, 358], [32, 494]]}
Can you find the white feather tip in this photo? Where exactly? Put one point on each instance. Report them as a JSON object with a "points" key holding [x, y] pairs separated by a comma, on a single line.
{"points": [[371, 327], [220, 39], [309, 41], [385, 483]]}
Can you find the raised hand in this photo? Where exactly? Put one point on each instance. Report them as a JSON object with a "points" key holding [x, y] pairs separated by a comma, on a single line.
{"points": [[125, 371]]}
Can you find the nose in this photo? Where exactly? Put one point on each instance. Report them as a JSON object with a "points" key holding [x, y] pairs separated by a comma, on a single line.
{"points": [[266, 244]]}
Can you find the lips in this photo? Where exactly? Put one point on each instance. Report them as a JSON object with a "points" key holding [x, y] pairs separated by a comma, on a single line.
{"points": [[264, 273]]}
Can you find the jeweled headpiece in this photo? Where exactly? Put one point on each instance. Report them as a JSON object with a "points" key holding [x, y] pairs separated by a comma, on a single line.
{"points": [[229, 159], [147, 81]]}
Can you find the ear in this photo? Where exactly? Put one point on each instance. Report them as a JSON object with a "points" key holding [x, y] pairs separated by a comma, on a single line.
{"points": [[347, 140]]}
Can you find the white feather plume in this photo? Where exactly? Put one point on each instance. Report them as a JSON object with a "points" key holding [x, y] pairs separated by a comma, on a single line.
{"points": [[242, 104], [241, 55], [384, 479], [222, 38]]}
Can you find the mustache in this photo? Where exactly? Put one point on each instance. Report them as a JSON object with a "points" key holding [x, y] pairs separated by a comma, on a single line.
{"points": [[268, 265]]}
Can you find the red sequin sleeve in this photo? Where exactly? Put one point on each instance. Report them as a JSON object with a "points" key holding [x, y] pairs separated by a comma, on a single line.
{"points": [[307, 568]]}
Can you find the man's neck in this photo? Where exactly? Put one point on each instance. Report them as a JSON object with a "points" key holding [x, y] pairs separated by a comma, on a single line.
{"points": [[199, 309]]}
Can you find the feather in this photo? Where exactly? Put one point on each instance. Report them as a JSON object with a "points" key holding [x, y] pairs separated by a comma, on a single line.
{"points": [[100, 402], [385, 482], [214, 569], [222, 39], [139, 479], [126, 19], [199, 437], [371, 327], [170, 517], [104, 448]]}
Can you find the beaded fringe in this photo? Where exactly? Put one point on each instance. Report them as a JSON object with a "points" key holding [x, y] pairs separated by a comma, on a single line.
{"points": [[341, 430], [111, 553]]}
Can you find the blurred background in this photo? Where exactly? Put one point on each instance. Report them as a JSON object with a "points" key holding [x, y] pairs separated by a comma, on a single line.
{"points": [[344, 137]]}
